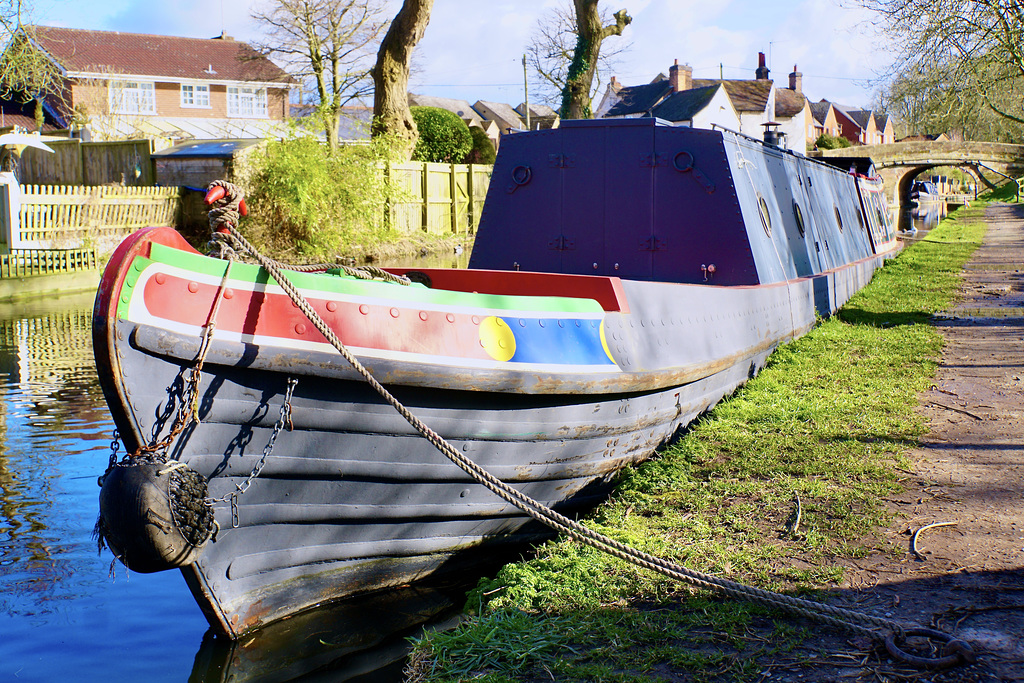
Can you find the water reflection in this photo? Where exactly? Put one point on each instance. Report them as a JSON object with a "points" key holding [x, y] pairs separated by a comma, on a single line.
{"points": [[918, 218], [362, 639], [64, 608]]}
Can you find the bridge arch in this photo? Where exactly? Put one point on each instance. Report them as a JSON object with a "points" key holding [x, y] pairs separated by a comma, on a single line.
{"points": [[899, 162]]}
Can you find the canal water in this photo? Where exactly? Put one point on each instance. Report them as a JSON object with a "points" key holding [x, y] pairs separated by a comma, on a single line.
{"points": [[68, 613]]}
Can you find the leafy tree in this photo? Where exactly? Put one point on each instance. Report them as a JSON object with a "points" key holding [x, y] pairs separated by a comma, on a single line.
{"points": [[483, 149], [391, 115], [551, 49], [443, 136], [826, 141], [580, 75], [328, 43], [968, 49], [26, 73]]}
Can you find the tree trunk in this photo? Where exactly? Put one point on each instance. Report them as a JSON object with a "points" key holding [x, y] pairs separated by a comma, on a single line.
{"points": [[391, 113], [576, 96]]}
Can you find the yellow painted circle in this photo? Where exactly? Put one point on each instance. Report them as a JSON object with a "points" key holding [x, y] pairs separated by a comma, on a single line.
{"points": [[604, 344], [497, 339]]}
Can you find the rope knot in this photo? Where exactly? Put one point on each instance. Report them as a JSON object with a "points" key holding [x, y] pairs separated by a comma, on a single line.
{"points": [[227, 204]]}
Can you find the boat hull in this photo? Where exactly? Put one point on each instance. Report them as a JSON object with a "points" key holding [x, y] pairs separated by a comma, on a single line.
{"points": [[551, 382]]}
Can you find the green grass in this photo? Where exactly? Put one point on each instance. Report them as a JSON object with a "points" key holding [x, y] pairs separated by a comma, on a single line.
{"points": [[827, 423]]}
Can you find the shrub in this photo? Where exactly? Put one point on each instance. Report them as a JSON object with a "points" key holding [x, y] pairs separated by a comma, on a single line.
{"points": [[443, 136], [826, 141], [308, 203], [483, 148]]}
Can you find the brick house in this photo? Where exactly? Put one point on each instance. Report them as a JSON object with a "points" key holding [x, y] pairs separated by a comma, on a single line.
{"points": [[130, 85]]}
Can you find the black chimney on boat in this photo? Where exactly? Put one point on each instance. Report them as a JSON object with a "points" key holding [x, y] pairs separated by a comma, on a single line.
{"points": [[772, 136]]}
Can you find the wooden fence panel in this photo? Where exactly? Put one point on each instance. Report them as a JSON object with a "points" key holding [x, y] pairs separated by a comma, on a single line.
{"points": [[407, 210], [479, 181], [74, 162], [461, 200], [55, 216], [127, 163], [438, 198], [27, 262], [62, 167]]}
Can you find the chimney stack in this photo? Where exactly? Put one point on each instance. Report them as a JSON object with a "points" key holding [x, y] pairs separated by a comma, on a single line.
{"points": [[762, 71], [680, 77], [796, 80]]}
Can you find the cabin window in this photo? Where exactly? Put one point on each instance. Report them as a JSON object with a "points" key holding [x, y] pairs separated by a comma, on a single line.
{"points": [[195, 95], [766, 219], [860, 219], [132, 97], [839, 219], [799, 215], [247, 102]]}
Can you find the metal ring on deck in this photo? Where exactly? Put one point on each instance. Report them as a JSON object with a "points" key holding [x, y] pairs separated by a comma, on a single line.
{"points": [[954, 650], [688, 166], [521, 175]]}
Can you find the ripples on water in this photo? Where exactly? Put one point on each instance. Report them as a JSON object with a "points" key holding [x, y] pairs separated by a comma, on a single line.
{"points": [[66, 613]]}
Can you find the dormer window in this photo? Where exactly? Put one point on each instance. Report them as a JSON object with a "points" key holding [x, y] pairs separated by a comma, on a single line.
{"points": [[195, 95], [247, 102], [132, 97]]}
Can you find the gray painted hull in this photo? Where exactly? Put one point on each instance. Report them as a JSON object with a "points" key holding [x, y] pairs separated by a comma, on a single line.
{"points": [[352, 499]]}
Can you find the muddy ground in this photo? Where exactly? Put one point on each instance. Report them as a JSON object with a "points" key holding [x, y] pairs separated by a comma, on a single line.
{"points": [[967, 576]]}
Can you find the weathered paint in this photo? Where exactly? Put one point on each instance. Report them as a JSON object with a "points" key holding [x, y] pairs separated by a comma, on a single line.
{"points": [[550, 381]]}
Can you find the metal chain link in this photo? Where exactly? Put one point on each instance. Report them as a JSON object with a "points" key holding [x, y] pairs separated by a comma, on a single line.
{"points": [[877, 628], [284, 419]]}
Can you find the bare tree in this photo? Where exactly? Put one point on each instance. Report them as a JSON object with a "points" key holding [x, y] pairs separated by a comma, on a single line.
{"points": [[979, 45], [551, 50], [589, 35], [328, 44], [391, 115], [26, 73]]}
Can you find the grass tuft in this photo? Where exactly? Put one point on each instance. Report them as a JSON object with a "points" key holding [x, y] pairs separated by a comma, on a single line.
{"points": [[826, 425]]}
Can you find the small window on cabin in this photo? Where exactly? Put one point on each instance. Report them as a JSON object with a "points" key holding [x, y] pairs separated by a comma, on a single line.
{"points": [[799, 215], [839, 219], [860, 219], [195, 95], [766, 219]]}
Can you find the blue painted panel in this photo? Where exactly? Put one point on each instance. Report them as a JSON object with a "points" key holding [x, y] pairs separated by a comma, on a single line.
{"points": [[520, 227], [697, 218]]}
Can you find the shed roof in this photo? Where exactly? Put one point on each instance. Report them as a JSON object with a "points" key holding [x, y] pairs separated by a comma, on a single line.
{"points": [[207, 149]]}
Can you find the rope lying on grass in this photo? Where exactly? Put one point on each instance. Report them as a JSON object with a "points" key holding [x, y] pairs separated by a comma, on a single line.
{"points": [[887, 631]]}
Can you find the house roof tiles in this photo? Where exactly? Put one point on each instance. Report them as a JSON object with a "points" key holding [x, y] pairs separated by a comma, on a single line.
{"points": [[685, 104], [639, 99], [746, 95], [83, 52]]}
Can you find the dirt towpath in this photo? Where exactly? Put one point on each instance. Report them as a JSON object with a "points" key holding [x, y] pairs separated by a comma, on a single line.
{"points": [[966, 577]]}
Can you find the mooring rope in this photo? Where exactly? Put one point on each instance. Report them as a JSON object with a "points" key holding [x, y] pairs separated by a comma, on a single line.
{"points": [[880, 629]]}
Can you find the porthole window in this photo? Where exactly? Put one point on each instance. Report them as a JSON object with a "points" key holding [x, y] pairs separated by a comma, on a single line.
{"points": [[799, 215], [839, 219], [766, 219]]}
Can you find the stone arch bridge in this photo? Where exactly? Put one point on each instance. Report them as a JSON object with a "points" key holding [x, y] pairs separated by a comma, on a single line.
{"points": [[899, 163]]}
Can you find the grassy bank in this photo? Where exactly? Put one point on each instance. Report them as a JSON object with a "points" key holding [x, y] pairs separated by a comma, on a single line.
{"points": [[823, 429]]}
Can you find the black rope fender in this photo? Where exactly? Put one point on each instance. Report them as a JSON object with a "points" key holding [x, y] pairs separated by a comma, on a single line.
{"points": [[886, 632]]}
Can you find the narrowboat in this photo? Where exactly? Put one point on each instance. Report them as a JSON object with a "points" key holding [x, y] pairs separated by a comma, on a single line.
{"points": [[626, 276]]}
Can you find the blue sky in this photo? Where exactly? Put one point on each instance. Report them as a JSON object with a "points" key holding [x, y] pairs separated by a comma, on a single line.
{"points": [[473, 49]]}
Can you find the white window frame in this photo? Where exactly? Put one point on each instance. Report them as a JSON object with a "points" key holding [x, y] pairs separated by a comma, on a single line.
{"points": [[132, 97], [195, 96], [247, 102]]}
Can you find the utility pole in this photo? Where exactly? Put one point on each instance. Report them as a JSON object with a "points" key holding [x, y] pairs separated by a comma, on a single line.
{"points": [[526, 94]]}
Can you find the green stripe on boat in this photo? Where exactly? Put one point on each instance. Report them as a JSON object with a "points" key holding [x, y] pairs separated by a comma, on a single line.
{"points": [[345, 284]]}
